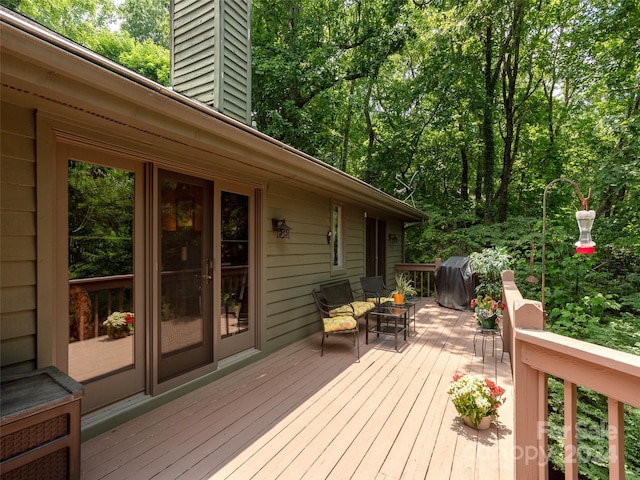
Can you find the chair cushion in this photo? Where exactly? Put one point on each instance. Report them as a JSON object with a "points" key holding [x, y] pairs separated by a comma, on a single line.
{"points": [[382, 299], [337, 324], [359, 308]]}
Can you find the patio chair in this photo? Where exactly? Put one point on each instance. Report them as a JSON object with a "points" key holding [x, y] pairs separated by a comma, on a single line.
{"points": [[344, 323], [375, 290]]}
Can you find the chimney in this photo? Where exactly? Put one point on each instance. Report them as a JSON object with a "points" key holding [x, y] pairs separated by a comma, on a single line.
{"points": [[211, 54]]}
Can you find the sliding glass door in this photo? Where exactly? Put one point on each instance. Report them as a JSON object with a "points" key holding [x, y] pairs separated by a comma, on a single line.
{"points": [[237, 325], [184, 321]]}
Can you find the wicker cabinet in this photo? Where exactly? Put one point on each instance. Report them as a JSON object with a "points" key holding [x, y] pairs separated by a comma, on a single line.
{"points": [[40, 426]]}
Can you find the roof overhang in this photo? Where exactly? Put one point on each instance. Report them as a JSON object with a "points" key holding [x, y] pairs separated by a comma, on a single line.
{"points": [[38, 62]]}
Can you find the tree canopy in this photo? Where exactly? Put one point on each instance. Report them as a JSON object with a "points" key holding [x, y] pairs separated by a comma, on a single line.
{"points": [[468, 107]]}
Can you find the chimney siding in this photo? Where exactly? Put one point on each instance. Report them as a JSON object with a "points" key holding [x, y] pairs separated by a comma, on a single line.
{"points": [[211, 54]]}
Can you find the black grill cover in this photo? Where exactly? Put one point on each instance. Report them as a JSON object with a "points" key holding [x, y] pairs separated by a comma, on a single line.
{"points": [[454, 283]]}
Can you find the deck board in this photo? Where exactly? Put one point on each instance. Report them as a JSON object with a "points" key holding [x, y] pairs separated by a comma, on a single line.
{"points": [[296, 415]]}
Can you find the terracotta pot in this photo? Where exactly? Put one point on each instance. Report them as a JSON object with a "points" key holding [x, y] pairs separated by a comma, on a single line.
{"points": [[398, 298], [485, 423]]}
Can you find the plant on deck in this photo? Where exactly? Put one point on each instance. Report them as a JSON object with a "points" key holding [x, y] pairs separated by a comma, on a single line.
{"points": [[475, 397]]}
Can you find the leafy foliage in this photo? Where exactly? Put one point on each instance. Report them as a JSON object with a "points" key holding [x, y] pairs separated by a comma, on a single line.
{"points": [[489, 264], [474, 106], [100, 221], [91, 23]]}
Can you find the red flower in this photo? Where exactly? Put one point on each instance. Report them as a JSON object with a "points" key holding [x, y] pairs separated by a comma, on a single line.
{"points": [[128, 317], [473, 303], [457, 377]]}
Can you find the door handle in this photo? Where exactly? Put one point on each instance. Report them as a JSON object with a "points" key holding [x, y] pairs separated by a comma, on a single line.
{"points": [[207, 278]]}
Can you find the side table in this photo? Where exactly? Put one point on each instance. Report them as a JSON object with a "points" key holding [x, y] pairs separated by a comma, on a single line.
{"points": [[485, 332]]}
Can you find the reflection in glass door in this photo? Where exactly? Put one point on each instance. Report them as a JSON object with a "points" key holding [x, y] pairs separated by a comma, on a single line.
{"points": [[236, 319], [185, 326], [106, 329]]}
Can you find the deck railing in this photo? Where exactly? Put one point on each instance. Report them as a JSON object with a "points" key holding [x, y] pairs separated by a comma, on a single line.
{"points": [[422, 274], [536, 354], [103, 292]]}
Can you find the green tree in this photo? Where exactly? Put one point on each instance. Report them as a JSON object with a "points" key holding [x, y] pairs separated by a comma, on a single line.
{"points": [[147, 20], [100, 221]]}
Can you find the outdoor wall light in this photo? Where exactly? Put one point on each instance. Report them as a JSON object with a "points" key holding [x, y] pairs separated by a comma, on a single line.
{"points": [[280, 227], [393, 239], [329, 234], [584, 217]]}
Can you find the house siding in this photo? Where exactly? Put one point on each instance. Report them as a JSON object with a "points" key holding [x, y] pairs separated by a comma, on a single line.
{"points": [[297, 265], [17, 240], [82, 102], [211, 54]]}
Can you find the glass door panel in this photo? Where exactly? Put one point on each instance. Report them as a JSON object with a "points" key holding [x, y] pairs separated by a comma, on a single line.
{"points": [[101, 316], [185, 327], [236, 319], [106, 328]]}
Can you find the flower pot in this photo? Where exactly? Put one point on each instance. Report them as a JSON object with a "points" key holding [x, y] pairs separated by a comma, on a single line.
{"points": [[116, 333], [398, 298], [484, 424], [489, 323]]}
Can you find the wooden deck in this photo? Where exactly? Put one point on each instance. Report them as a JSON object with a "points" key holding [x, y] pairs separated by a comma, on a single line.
{"points": [[297, 415]]}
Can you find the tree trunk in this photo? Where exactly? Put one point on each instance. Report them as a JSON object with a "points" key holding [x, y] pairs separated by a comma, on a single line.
{"points": [[487, 125], [510, 78], [464, 181]]}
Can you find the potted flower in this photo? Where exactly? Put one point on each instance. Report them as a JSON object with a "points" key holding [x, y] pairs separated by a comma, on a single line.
{"points": [[487, 311], [119, 324], [476, 399], [488, 265], [404, 288]]}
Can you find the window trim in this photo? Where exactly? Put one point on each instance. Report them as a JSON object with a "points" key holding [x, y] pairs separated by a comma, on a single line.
{"points": [[338, 260]]}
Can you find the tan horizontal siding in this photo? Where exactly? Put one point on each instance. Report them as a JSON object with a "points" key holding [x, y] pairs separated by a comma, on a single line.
{"points": [[16, 171], [15, 144], [16, 248], [18, 324], [18, 197], [21, 350], [22, 273], [18, 256]]}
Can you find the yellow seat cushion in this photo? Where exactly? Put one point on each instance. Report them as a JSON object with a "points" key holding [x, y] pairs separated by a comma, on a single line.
{"points": [[358, 308], [382, 299], [337, 324]]}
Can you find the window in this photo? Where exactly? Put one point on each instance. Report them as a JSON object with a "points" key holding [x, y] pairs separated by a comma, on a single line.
{"points": [[337, 236]]}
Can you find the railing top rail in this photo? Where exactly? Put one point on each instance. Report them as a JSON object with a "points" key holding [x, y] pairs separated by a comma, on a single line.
{"points": [[103, 283], [110, 278], [611, 372], [416, 267], [604, 357]]}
